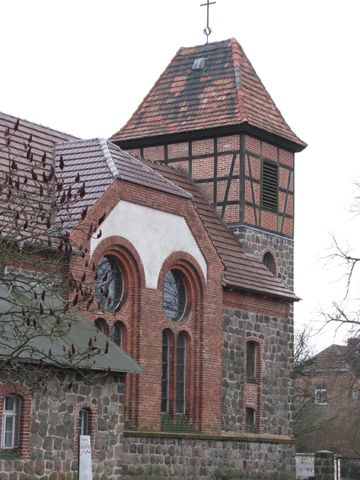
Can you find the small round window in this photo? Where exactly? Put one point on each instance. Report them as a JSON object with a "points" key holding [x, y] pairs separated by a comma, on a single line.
{"points": [[109, 283], [175, 301]]}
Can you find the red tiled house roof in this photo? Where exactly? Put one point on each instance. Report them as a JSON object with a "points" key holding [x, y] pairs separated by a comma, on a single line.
{"points": [[98, 162], [226, 92]]}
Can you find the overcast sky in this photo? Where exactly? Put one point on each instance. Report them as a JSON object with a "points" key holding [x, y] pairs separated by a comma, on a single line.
{"points": [[82, 67]]}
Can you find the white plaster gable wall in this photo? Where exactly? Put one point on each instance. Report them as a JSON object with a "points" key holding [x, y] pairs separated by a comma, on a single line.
{"points": [[154, 234]]}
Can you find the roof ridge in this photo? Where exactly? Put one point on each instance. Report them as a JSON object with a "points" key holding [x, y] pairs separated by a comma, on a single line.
{"points": [[109, 160], [268, 96], [240, 105], [37, 126], [208, 45]]}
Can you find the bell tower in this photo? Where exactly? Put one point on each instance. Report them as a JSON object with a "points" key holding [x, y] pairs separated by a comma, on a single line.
{"points": [[210, 115]]}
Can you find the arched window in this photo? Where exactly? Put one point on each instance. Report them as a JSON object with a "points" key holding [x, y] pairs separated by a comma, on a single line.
{"points": [[109, 283], [175, 298], [269, 262], [252, 354], [165, 377], [180, 372], [101, 325], [10, 434], [117, 334], [250, 420], [84, 421]]}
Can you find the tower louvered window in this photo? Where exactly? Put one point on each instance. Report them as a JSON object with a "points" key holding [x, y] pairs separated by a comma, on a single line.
{"points": [[269, 186]]}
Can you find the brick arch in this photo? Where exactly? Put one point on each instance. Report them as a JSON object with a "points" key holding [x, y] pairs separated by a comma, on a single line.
{"points": [[123, 332], [194, 280], [186, 263], [102, 325], [191, 327], [126, 253], [23, 393], [134, 277]]}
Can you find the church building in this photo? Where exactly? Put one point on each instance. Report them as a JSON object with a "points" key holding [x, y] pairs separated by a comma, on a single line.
{"points": [[189, 272]]}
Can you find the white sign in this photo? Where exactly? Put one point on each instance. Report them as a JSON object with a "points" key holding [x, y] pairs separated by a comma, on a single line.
{"points": [[85, 470], [305, 466]]}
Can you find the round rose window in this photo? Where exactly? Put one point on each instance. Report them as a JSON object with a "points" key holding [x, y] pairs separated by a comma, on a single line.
{"points": [[109, 283], [175, 299]]}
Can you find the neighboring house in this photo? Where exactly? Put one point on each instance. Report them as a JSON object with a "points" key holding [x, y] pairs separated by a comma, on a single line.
{"points": [[201, 298], [328, 392]]}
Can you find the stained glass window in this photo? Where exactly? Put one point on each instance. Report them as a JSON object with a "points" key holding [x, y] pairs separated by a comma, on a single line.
{"points": [[109, 283], [101, 325], [180, 373], [174, 295], [117, 334], [165, 371]]}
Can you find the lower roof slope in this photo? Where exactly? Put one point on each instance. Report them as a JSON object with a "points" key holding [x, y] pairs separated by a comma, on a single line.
{"points": [[34, 343]]}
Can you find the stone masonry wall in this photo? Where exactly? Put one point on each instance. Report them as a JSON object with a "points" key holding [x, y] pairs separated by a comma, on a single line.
{"points": [[276, 337], [54, 429], [193, 458], [258, 242]]}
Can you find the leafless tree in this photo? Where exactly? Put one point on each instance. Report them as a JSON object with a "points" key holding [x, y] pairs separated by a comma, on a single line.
{"points": [[38, 297]]}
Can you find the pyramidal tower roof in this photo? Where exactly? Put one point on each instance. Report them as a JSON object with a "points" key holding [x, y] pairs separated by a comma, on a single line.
{"points": [[208, 87]]}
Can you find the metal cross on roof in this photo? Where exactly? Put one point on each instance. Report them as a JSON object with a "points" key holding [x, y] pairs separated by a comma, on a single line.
{"points": [[207, 29]]}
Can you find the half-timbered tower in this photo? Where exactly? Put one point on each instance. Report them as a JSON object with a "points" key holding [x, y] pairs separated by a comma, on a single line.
{"points": [[159, 273], [210, 115]]}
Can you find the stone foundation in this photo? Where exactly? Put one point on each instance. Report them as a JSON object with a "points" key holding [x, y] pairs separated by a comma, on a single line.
{"points": [[190, 456]]}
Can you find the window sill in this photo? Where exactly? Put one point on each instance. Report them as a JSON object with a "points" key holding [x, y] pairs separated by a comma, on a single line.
{"points": [[252, 381]]}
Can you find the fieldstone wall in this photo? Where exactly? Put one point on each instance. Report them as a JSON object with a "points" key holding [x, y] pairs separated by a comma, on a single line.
{"points": [[193, 457], [257, 242], [54, 429], [276, 336]]}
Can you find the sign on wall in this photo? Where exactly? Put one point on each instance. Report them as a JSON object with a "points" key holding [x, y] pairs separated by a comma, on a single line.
{"points": [[85, 470], [305, 465]]}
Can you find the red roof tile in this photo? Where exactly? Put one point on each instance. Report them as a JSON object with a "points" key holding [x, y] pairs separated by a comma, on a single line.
{"points": [[226, 92], [98, 163]]}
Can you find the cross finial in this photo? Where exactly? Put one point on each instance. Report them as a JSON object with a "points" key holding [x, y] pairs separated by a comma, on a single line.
{"points": [[207, 29]]}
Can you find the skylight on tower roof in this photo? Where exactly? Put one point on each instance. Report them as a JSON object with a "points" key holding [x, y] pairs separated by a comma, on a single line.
{"points": [[199, 63]]}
